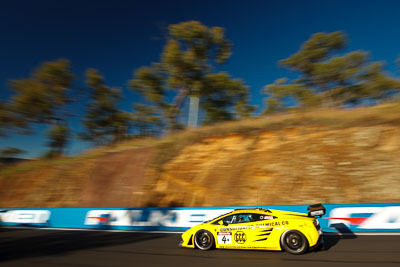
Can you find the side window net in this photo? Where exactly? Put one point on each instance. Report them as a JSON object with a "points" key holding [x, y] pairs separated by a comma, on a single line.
{"points": [[239, 218]]}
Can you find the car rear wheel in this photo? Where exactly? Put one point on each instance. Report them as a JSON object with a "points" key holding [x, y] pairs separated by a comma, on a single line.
{"points": [[294, 242], [204, 240]]}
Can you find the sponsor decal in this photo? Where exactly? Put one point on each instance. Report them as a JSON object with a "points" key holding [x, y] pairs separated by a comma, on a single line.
{"points": [[131, 218], [234, 228], [381, 217], [258, 225], [240, 237], [224, 238], [26, 216], [103, 218], [366, 217], [264, 234], [266, 217], [150, 217], [272, 224]]}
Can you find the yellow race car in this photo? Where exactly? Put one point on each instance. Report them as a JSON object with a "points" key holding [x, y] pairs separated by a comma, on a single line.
{"points": [[263, 229]]}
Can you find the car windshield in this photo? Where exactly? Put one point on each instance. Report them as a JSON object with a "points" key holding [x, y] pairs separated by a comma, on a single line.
{"points": [[216, 219]]}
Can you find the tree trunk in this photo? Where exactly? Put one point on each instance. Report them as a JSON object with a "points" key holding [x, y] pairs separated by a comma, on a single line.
{"points": [[193, 111], [178, 100]]}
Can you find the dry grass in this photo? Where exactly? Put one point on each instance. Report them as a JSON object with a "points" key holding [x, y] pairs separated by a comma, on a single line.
{"points": [[388, 114]]}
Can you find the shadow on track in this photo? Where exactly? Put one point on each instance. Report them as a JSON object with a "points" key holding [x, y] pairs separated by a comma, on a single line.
{"points": [[58, 242], [332, 239]]}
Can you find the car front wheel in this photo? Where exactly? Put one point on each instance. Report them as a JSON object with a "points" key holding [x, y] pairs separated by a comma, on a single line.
{"points": [[204, 240], [294, 242]]}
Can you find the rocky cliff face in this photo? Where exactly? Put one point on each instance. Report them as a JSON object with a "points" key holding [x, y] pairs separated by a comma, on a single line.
{"points": [[297, 165], [288, 166]]}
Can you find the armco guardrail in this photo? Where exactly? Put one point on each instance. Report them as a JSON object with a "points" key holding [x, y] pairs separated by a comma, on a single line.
{"points": [[382, 217]]}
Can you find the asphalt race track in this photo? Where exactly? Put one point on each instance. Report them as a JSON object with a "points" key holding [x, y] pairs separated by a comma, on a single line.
{"points": [[36, 247]]}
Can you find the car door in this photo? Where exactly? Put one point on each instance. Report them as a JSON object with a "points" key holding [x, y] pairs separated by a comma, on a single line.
{"points": [[263, 227], [234, 231]]}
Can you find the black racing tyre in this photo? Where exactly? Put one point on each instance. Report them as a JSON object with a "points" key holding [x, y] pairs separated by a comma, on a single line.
{"points": [[204, 240], [294, 242]]}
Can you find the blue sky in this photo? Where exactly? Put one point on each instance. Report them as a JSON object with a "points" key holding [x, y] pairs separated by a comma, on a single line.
{"points": [[117, 37]]}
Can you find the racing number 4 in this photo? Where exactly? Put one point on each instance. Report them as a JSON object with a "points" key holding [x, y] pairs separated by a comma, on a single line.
{"points": [[227, 239], [224, 238]]}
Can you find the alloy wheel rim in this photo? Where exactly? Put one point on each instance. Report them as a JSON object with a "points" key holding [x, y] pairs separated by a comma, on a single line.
{"points": [[204, 239], [294, 241]]}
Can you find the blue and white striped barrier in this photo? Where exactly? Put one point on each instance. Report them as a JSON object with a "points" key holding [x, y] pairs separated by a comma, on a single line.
{"points": [[382, 217]]}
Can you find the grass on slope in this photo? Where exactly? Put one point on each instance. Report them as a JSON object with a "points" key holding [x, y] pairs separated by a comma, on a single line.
{"points": [[388, 114]]}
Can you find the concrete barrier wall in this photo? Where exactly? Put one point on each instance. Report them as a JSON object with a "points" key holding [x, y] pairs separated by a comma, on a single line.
{"points": [[377, 217]]}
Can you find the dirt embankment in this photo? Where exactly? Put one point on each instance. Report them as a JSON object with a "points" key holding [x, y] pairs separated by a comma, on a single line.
{"points": [[288, 166], [117, 179], [111, 180], [293, 165]]}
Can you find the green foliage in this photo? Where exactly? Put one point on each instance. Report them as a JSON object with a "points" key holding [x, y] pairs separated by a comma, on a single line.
{"points": [[220, 94], [10, 152], [58, 138], [328, 79], [187, 67], [104, 122], [40, 97], [273, 105], [149, 82], [281, 89], [5, 119], [203, 43], [189, 56], [146, 120], [316, 49]]}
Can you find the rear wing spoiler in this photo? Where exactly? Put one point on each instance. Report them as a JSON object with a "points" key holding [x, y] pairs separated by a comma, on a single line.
{"points": [[316, 210]]}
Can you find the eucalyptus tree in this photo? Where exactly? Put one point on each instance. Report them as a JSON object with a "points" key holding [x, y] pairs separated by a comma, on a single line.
{"points": [[104, 123], [187, 69], [329, 78], [42, 99]]}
